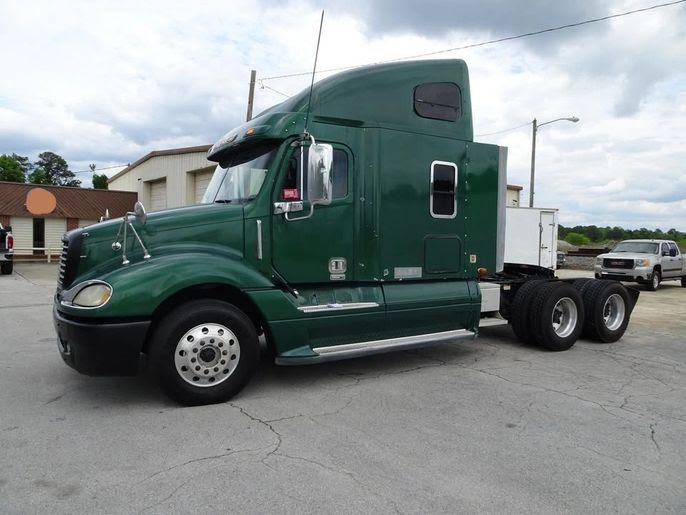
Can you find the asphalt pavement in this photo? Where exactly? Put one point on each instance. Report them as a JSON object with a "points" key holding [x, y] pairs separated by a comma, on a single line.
{"points": [[483, 426]]}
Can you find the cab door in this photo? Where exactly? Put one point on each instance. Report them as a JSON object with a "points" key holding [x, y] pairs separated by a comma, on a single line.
{"points": [[317, 248]]}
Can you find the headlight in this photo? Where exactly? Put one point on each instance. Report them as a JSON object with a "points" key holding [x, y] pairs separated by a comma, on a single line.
{"points": [[642, 262], [93, 296], [598, 261]]}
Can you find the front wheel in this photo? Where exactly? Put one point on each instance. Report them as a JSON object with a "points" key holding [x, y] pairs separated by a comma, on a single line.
{"points": [[655, 279], [204, 352], [683, 282]]}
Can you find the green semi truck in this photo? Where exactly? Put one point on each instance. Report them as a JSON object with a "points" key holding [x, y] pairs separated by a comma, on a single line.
{"points": [[356, 218]]}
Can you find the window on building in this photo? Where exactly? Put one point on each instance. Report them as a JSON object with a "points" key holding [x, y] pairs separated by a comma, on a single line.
{"points": [[443, 203], [339, 176], [438, 100]]}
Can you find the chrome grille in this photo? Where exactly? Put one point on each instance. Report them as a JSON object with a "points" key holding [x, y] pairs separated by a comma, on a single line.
{"points": [[618, 263], [63, 263]]}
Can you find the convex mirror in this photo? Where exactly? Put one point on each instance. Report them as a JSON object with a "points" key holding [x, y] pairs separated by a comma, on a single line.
{"points": [[319, 165]]}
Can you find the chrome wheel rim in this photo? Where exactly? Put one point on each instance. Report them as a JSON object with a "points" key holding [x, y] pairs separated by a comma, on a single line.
{"points": [[564, 318], [614, 311], [656, 280], [207, 355]]}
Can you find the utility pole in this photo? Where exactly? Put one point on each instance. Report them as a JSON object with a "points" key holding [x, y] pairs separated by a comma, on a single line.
{"points": [[533, 162], [251, 95], [535, 125]]}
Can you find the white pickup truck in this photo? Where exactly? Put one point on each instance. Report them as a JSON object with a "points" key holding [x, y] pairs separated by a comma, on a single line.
{"points": [[643, 261]]}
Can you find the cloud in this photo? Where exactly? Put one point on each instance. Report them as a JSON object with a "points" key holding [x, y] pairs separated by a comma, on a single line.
{"points": [[108, 85]]}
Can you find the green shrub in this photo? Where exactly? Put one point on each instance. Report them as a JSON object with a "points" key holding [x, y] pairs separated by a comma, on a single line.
{"points": [[577, 239]]}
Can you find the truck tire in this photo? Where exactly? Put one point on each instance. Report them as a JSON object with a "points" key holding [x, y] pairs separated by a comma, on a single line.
{"points": [[7, 267], [608, 309], [581, 283], [683, 282], [204, 352], [520, 310], [654, 283], [556, 316]]}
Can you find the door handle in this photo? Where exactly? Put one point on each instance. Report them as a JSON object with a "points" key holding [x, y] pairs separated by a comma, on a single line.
{"points": [[287, 207]]}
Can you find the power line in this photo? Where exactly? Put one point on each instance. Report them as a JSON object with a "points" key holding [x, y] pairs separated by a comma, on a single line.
{"points": [[504, 130], [484, 43], [264, 86], [103, 168]]}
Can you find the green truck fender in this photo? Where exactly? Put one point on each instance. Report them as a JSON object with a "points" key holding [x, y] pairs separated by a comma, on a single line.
{"points": [[139, 289]]}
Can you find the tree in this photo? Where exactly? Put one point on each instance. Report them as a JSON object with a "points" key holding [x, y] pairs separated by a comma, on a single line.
{"points": [[55, 170], [99, 181], [24, 163], [38, 177], [11, 169]]}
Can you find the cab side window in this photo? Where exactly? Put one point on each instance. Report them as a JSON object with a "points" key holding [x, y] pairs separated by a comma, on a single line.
{"points": [[672, 246], [443, 202], [292, 186], [665, 250]]}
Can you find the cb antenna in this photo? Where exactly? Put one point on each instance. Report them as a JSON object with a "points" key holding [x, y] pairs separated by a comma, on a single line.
{"points": [[314, 70]]}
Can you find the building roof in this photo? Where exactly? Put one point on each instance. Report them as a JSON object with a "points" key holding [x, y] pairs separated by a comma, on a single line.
{"points": [[155, 153], [82, 203]]}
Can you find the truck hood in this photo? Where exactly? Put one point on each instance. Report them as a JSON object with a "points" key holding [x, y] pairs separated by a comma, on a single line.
{"points": [[626, 255], [219, 226]]}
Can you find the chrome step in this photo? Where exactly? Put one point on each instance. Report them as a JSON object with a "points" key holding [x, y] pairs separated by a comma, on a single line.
{"points": [[354, 350]]}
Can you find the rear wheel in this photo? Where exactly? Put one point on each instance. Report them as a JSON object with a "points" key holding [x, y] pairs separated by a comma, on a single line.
{"points": [[520, 310], [683, 282], [654, 282], [608, 308], [204, 352], [7, 267], [556, 316]]}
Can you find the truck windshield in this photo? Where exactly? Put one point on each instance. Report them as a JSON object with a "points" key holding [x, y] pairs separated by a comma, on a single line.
{"points": [[637, 246], [239, 177]]}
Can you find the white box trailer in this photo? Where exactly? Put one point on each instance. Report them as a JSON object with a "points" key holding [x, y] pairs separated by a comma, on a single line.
{"points": [[531, 236]]}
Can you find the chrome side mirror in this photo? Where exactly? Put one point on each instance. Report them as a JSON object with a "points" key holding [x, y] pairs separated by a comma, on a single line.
{"points": [[139, 211]]}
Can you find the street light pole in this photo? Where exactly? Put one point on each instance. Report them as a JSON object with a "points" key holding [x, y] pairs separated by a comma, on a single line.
{"points": [[534, 131]]}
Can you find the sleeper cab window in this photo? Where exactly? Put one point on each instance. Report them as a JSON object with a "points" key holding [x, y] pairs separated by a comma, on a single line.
{"points": [[443, 203], [339, 176], [438, 101]]}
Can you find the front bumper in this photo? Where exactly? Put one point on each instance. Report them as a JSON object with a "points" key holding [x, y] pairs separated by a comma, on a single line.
{"points": [[638, 274], [97, 349]]}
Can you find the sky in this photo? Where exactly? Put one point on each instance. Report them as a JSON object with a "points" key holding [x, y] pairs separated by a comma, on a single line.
{"points": [[107, 82]]}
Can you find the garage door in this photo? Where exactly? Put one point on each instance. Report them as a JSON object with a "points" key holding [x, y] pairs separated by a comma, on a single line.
{"points": [[54, 230], [158, 195], [22, 230], [202, 179]]}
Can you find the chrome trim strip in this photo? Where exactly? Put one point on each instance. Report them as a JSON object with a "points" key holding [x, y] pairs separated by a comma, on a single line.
{"points": [[337, 307], [259, 239], [353, 350]]}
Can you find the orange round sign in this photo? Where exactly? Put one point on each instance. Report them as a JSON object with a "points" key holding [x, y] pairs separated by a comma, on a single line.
{"points": [[40, 201]]}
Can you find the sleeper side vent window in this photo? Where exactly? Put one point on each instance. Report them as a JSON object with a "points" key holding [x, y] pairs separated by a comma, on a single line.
{"points": [[443, 202], [438, 100]]}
